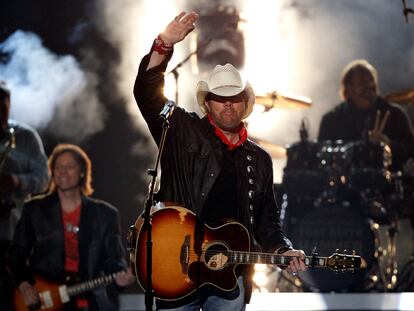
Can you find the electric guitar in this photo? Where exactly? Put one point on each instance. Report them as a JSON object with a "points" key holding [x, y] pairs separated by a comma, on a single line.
{"points": [[187, 254], [53, 296]]}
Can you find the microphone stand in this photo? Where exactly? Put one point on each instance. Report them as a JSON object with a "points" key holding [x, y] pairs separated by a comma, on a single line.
{"points": [[407, 11], [175, 72], [147, 226], [202, 45]]}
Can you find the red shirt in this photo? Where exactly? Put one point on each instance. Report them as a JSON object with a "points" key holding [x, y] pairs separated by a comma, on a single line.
{"points": [[71, 228]]}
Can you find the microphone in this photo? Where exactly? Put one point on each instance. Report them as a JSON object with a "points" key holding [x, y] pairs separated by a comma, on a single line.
{"points": [[406, 12], [303, 132], [167, 110]]}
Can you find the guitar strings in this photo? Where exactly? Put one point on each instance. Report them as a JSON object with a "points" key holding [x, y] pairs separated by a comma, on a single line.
{"points": [[239, 254]]}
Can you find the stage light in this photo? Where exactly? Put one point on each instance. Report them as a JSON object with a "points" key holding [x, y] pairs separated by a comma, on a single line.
{"points": [[260, 278], [219, 40]]}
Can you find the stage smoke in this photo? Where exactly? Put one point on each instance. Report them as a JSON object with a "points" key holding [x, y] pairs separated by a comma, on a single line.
{"points": [[49, 90]]}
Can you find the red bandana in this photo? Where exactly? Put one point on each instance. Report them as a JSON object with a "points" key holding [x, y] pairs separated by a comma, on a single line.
{"points": [[223, 138]]}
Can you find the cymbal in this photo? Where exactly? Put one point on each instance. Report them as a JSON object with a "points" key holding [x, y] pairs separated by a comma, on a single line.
{"points": [[403, 97], [278, 100], [275, 151]]}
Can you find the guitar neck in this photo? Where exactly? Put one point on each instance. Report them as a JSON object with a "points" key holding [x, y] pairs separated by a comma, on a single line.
{"points": [[91, 284], [274, 259]]}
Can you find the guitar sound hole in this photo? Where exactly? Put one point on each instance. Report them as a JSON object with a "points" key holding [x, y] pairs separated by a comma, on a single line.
{"points": [[216, 256]]}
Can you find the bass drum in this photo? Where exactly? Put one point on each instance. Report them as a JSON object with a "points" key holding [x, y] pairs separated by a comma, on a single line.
{"points": [[329, 227]]}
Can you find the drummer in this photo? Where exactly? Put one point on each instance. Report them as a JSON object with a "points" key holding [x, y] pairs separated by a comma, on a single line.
{"points": [[364, 114]]}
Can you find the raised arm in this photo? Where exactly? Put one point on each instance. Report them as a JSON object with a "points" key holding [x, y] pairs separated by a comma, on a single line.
{"points": [[149, 84]]}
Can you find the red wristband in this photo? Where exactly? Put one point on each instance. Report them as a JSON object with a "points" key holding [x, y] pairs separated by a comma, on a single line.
{"points": [[161, 47]]}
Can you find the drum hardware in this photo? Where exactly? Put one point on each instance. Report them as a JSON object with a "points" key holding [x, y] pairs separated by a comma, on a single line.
{"points": [[276, 151], [402, 97], [398, 186], [375, 229], [394, 268], [283, 100], [383, 245], [388, 210], [331, 226], [375, 279], [389, 275], [374, 206], [368, 165], [353, 178], [314, 169], [406, 281], [395, 242], [321, 169]]}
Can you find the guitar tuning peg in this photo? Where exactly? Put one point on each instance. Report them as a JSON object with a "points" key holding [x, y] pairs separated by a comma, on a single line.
{"points": [[353, 252], [345, 250], [337, 250]]}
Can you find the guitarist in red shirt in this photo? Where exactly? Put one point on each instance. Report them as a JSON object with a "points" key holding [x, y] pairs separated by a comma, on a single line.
{"points": [[65, 232]]}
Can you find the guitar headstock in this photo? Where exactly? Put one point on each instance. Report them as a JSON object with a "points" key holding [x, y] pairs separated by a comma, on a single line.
{"points": [[345, 262]]}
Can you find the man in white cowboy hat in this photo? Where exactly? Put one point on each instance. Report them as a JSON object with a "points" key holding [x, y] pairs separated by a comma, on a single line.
{"points": [[210, 166]]}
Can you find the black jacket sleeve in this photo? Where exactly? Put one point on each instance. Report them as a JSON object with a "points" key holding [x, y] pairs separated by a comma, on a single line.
{"points": [[148, 93], [21, 249]]}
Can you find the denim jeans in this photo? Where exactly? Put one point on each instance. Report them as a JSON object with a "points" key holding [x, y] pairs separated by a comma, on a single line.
{"points": [[210, 299]]}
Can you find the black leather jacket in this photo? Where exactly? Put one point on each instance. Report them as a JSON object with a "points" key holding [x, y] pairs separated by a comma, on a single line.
{"points": [[40, 230], [192, 158]]}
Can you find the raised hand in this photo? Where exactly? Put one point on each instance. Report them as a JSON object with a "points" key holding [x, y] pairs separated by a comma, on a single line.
{"points": [[179, 28]]}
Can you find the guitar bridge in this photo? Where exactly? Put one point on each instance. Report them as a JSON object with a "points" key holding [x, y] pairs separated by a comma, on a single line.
{"points": [[185, 254]]}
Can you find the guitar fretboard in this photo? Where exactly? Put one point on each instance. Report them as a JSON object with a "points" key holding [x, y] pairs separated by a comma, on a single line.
{"points": [[272, 259], [91, 285]]}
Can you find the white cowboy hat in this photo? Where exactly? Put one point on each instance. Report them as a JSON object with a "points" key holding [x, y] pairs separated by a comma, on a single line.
{"points": [[225, 81]]}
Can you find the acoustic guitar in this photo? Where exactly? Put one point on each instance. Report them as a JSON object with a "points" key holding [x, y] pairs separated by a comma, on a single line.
{"points": [[187, 254], [53, 296]]}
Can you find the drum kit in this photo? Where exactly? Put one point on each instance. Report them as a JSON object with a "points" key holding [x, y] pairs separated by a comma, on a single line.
{"points": [[337, 195]]}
